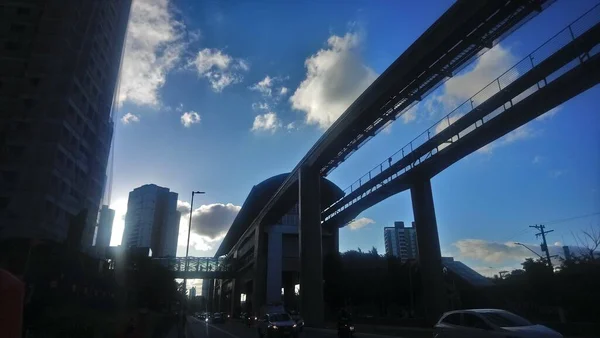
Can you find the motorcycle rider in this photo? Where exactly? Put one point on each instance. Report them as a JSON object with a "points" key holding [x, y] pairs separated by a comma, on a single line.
{"points": [[344, 322]]}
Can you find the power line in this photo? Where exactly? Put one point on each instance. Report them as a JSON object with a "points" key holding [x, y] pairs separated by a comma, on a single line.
{"points": [[572, 218], [556, 221]]}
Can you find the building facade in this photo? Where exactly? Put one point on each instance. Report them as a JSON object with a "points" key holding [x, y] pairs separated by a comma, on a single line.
{"points": [[152, 220], [401, 242], [267, 255], [59, 66]]}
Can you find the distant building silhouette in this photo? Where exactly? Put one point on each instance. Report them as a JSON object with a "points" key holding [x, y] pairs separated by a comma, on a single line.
{"points": [[59, 61], [400, 241], [193, 292], [104, 229], [152, 220]]}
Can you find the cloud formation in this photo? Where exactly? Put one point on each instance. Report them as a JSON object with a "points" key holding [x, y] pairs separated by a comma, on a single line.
{"points": [[264, 86], [505, 253], [335, 77], [491, 252], [549, 114], [130, 118], [360, 223], [522, 133], [212, 220], [153, 47], [266, 122], [220, 69], [189, 118], [464, 85]]}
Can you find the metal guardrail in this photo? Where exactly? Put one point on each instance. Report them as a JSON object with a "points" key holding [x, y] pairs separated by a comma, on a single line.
{"points": [[548, 48]]}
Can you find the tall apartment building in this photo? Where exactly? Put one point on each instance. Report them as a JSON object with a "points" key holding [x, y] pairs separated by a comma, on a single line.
{"points": [[400, 241], [152, 220], [59, 66]]}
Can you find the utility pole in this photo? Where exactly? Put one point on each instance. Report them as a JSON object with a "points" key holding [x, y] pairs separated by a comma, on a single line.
{"points": [[542, 232]]}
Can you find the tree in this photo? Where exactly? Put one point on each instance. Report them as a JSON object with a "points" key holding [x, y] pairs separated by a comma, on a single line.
{"points": [[590, 240]]}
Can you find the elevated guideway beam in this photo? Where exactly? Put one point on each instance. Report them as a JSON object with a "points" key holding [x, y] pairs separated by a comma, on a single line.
{"points": [[463, 32], [527, 95]]}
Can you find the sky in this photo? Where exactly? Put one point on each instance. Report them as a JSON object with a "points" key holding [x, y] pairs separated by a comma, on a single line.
{"points": [[218, 96]]}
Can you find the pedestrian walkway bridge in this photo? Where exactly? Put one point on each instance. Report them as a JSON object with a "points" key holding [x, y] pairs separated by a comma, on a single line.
{"points": [[198, 267]]}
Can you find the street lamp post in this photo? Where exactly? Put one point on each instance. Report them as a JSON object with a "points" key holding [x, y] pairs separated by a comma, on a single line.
{"points": [[187, 247]]}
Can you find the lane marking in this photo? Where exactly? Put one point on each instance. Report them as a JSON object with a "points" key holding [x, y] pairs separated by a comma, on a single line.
{"points": [[220, 329]]}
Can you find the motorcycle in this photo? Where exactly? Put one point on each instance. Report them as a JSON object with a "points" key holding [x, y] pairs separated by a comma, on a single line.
{"points": [[345, 329]]}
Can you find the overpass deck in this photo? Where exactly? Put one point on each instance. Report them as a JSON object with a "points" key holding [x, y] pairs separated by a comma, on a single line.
{"points": [[480, 120]]}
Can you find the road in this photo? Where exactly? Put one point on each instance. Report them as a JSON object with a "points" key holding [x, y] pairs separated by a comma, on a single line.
{"points": [[235, 329]]}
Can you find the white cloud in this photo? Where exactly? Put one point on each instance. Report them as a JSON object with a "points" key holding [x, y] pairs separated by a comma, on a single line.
{"points": [[410, 115], [291, 126], [522, 133], [283, 91], [360, 223], [220, 69], [556, 173], [549, 114], [261, 106], [491, 252], [130, 118], [537, 159], [264, 86], [266, 122], [335, 77], [388, 129], [464, 85], [152, 49], [509, 255], [189, 118]]}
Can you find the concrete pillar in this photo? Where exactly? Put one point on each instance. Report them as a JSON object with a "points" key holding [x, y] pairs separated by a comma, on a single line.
{"points": [[311, 249], [210, 298], [274, 265], [259, 288], [430, 257], [235, 297]]}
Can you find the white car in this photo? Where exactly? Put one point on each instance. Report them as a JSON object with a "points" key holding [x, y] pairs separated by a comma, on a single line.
{"points": [[488, 323]]}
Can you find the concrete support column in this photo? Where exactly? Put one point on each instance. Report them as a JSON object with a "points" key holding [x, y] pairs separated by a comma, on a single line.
{"points": [[235, 297], [210, 295], [430, 257], [311, 257], [274, 265], [221, 296], [259, 288]]}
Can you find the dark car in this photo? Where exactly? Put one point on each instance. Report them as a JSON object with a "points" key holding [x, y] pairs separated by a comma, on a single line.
{"points": [[298, 319], [277, 325], [218, 318]]}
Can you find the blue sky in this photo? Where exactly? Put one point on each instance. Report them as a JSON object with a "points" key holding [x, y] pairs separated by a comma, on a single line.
{"points": [[220, 95]]}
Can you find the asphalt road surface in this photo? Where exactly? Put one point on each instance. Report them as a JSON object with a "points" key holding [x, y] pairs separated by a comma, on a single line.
{"points": [[235, 329]]}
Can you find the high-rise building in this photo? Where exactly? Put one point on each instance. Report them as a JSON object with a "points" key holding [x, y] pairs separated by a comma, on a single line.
{"points": [[59, 66], [400, 241], [104, 230], [152, 220], [193, 292]]}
